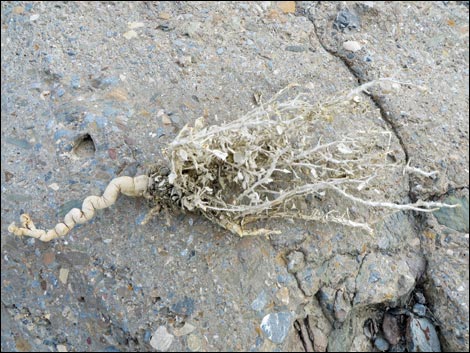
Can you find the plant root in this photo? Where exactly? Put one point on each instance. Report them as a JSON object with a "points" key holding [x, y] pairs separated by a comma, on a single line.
{"points": [[136, 187]]}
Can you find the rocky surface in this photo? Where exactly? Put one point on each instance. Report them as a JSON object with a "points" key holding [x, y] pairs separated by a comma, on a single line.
{"points": [[91, 91]]}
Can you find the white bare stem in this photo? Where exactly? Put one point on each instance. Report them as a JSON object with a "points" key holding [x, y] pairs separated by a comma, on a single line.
{"points": [[414, 170], [420, 206]]}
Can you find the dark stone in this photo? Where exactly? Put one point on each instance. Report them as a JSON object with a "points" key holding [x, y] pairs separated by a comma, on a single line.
{"points": [[345, 19]]}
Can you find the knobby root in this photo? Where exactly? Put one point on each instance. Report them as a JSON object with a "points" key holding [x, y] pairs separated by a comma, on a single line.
{"points": [[129, 186]]}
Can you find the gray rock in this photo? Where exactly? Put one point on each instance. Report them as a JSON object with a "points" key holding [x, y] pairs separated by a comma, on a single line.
{"points": [[391, 329], [381, 344], [342, 305], [288, 239], [383, 278], [319, 325], [295, 48], [260, 302], [309, 280], [361, 344], [448, 289], [326, 298], [320, 340], [276, 326], [455, 218], [420, 298], [185, 330], [419, 309], [296, 261], [342, 337], [345, 19], [421, 336]]}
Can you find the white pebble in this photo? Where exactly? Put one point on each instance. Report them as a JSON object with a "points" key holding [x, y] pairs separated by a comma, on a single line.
{"points": [[130, 34], [352, 45], [63, 275], [185, 330], [161, 339], [54, 186], [134, 25], [61, 348]]}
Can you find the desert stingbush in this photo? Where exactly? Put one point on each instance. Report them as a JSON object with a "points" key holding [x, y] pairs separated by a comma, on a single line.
{"points": [[279, 160]]}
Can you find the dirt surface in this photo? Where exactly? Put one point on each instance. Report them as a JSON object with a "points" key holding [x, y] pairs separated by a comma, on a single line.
{"points": [[91, 91]]}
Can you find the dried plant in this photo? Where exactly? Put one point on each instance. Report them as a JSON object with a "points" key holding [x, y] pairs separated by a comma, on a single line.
{"points": [[273, 162]]}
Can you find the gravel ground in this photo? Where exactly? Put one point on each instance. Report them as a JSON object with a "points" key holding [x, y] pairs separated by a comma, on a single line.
{"points": [[119, 80]]}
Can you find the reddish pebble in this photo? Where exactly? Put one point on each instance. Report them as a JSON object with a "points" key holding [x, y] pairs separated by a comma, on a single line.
{"points": [[112, 153], [48, 258]]}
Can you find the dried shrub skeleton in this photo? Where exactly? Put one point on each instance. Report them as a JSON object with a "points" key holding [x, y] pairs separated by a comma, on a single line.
{"points": [[270, 163]]}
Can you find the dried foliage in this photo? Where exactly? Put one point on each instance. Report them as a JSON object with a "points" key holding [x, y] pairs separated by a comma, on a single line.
{"points": [[273, 161], [276, 161]]}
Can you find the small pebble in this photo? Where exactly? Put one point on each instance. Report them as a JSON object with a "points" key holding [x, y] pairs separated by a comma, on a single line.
{"points": [[130, 34], [295, 48], [161, 339], [391, 329], [164, 16], [134, 25], [166, 120], [75, 82], [185, 330], [112, 153], [60, 92], [352, 45], [194, 343], [63, 275], [147, 336], [22, 143], [381, 344], [345, 19], [220, 51], [419, 309], [61, 348], [54, 186], [283, 295], [48, 258], [420, 298], [160, 132], [260, 301], [276, 326]]}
